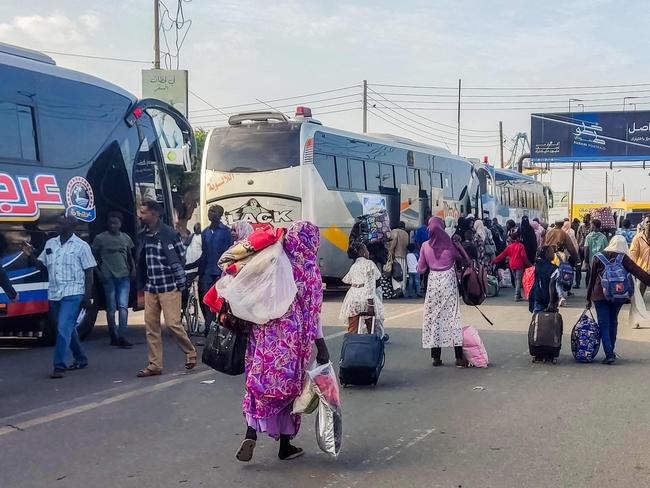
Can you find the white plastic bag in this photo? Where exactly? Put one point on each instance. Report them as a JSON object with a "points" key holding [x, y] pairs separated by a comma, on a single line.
{"points": [[307, 402], [264, 289], [329, 419]]}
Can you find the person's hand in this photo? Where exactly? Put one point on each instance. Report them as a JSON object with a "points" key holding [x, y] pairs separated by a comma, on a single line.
{"points": [[322, 353], [88, 302], [27, 248]]}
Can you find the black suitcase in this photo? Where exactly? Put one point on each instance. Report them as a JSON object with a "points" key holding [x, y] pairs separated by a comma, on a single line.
{"points": [[545, 335], [362, 357]]}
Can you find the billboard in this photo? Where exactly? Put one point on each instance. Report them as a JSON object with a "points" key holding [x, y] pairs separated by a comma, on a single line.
{"points": [[590, 136]]}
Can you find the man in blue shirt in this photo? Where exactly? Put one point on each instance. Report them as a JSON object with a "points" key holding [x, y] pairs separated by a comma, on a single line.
{"points": [[215, 240]]}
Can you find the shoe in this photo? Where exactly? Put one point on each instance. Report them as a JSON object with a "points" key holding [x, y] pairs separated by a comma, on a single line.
{"points": [[562, 302], [385, 339], [122, 343], [437, 362], [148, 372], [577, 287], [462, 363], [57, 374], [519, 299], [245, 452], [609, 360], [76, 365]]}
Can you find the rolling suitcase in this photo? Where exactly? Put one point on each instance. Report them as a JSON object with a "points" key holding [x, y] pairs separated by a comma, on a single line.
{"points": [[545, 336], [362, 357]]}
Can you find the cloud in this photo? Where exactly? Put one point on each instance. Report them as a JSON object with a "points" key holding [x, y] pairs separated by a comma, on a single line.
{"points": [[53, 29]]}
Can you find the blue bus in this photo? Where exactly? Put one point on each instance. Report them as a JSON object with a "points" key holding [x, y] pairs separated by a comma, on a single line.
{"points": [[70, 142]]}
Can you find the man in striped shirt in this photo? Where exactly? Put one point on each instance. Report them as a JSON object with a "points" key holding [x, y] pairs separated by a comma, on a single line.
{"points": [[69, 263]]}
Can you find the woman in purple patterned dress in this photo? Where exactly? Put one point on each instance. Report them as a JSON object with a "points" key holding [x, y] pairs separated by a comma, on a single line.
{"points": [[279, 351]]}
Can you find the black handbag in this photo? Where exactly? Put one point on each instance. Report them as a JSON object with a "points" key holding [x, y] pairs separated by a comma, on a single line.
{"points": [[225, 350], [397, 273]]}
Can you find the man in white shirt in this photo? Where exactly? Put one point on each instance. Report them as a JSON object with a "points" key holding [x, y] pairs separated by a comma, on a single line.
{"points": [[69, 263]]}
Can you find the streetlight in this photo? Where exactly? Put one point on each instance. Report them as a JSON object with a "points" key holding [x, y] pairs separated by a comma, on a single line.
{"points": [[625, 99], [575, 100]]}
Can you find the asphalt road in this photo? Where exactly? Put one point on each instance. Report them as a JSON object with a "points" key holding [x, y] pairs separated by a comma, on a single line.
{"points": [[515, 424]]}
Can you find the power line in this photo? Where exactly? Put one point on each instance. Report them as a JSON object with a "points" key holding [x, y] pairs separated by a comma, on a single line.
{"points": [[257, 103], [504, 88], [208, 103], [105, 58], [501, 109], [430, 120], [493, 102], [527, 95], [280, 106], [224, 119]]}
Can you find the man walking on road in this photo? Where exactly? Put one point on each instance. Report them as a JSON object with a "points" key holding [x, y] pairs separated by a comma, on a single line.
{"points": [[113, 249], [562, 241], [160, 259], [215, 239], [69, 263]]}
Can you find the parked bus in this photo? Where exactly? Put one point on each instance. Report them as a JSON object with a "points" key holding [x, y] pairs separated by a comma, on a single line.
{"points": [[509, 195], [70, 142], [266, 168]]}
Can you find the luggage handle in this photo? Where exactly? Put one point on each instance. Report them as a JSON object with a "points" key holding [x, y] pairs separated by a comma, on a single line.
{"points": [[362, 320]]}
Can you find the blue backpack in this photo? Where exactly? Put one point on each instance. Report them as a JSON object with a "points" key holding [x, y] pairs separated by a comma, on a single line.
{"points": [[565, 274], [585, 339], [617, 283]]}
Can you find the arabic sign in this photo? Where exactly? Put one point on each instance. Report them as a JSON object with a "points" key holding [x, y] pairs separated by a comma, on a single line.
{"points": [[373, 204], [23, 197], [590, 136], [167, 85]]}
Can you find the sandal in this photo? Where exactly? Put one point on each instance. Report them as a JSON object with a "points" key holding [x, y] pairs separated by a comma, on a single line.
{"points": [[298, 453], [148, 372], [245, 453], [190, 363], [77, 366]]}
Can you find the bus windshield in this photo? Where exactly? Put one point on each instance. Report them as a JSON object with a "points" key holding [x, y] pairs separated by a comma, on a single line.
{"points": [[255, 147]]}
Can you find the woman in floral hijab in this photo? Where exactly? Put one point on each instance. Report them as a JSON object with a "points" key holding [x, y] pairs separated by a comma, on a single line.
{"points": [[279, 351]]}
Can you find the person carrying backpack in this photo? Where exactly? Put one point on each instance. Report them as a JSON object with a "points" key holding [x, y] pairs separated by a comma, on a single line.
{"points": [[540, 296], [611, 286]]}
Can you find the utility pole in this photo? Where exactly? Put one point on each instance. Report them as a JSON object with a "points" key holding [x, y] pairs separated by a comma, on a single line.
{"points": [[501, 141], [573, 187], [156, 35], [458, 144], [365, 106]]}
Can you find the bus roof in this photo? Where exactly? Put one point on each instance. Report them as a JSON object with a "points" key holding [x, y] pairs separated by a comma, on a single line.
{"points": [[509, 174], [28, 59]]}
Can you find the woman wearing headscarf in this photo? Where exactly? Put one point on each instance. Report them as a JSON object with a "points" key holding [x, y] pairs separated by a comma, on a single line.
{"points": [[511, 228], [528, 238], [539, 232], [441, 325], [279, 351], [461, 228], [485, 245], [566, 227], [240, 230], [607, 311]]}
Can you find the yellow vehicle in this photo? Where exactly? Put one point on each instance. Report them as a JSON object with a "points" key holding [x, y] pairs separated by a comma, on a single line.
{"points": [[634, 211]]}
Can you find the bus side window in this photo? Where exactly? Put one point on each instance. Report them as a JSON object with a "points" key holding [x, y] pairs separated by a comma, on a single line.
{"points": [[18, 139], [387, 176], [372, 176], [400, 176], [411, 177], [342, 177], [357, 175], [447, 189], [436, 180], [326, 168]]}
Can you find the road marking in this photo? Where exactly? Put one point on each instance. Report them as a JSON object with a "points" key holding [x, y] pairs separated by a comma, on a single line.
{"points": [[27, 424]]}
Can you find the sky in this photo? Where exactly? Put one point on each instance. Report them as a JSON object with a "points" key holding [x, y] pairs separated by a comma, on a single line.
{"points": [[242, 51]]}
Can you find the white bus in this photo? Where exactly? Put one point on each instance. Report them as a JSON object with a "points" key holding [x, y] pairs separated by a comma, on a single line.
{"points": [[266, 168]]}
